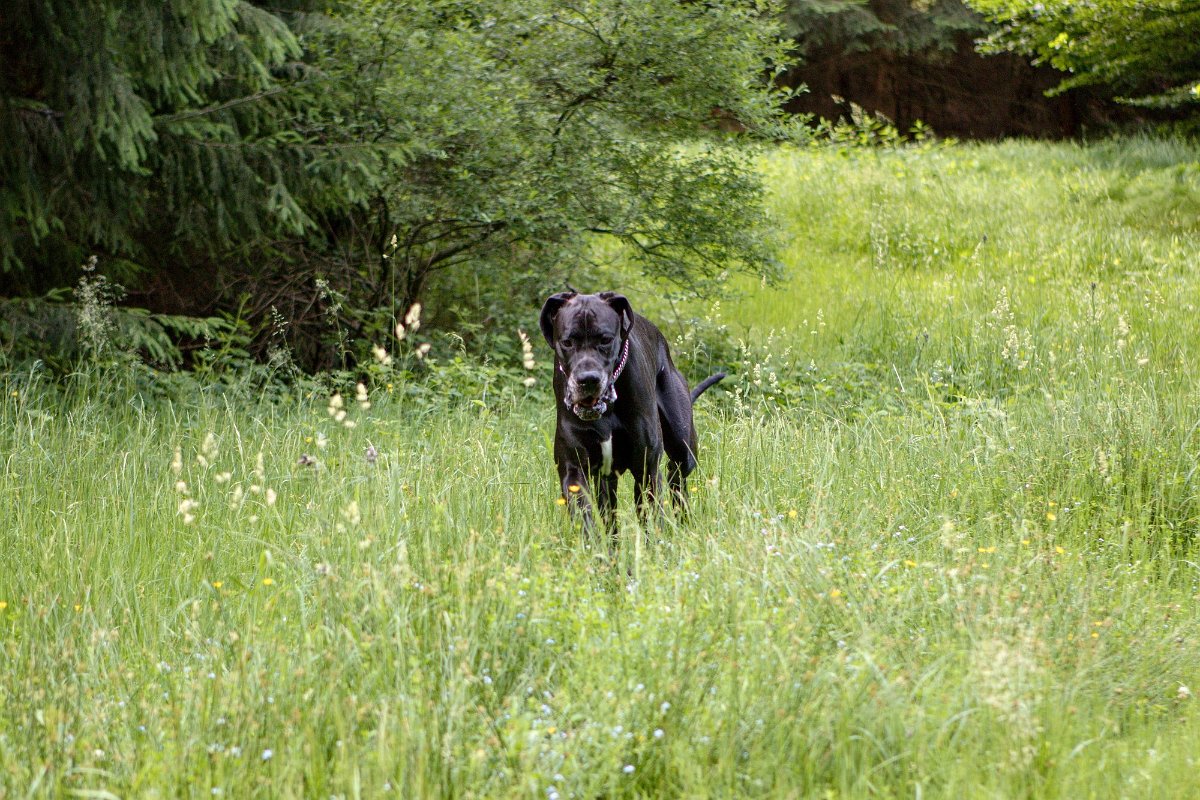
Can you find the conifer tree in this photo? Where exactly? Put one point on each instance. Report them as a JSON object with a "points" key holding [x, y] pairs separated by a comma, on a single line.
{"points": [[127, 125]]}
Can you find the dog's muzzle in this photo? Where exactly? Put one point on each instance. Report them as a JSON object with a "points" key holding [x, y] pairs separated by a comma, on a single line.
{"points": [[594, 410]]}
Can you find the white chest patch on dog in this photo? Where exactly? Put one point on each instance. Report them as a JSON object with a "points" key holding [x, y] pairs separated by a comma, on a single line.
{"points": [[606, 456]]}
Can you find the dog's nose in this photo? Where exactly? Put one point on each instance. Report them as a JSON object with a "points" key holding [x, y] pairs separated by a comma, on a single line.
{"points": [[588, 380]]}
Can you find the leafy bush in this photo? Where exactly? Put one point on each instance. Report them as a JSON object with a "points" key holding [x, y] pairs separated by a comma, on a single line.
{"points": [[1145, 52]]}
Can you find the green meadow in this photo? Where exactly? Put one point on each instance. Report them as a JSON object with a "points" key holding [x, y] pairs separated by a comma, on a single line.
{"points": [[942, 540]]}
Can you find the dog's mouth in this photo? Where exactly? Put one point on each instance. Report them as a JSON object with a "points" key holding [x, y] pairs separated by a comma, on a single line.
{"points": [[589, 409]]}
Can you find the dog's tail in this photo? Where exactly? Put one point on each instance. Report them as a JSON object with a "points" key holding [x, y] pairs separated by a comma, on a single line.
{"points": [[705, 384]]}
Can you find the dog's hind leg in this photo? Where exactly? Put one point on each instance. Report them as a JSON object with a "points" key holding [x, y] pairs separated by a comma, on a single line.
{"points": [[646, 486], [677, 484], [678, 433]]}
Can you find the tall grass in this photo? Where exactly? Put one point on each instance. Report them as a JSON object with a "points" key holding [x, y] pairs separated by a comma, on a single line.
{"points": [[942, 539]]}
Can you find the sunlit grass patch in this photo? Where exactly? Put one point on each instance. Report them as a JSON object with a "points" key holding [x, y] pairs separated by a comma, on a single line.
{"points": [[941, 540]]}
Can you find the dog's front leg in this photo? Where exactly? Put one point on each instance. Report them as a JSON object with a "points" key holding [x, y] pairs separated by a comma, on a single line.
{"points": [[606, 503], [576, 492], [582, 487]]}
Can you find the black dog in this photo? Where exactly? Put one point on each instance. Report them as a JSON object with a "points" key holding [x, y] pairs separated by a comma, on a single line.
{"points": [[621, 403]]}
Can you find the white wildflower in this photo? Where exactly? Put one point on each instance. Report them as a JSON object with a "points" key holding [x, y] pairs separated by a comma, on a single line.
{"points": [[335, 405], [381, 355], [412, 320], [526, 350]]}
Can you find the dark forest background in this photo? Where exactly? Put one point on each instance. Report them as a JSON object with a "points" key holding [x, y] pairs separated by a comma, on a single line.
{"points": [[293, 176]]}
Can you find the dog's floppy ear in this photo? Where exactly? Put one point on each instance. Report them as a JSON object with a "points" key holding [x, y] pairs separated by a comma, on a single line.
{"points": [[620, 304], [550, 311]]}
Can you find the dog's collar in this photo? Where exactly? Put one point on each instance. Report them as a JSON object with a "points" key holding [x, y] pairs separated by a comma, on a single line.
{"points": [[610, 396], [612, 384]]}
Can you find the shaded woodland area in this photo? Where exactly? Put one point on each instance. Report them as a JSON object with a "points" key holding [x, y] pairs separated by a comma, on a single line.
{"points": [[958, 93], [295, 175], [920, 62]]}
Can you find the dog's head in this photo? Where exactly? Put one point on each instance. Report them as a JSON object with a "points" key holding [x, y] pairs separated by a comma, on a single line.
{"points": [[587, 333]]}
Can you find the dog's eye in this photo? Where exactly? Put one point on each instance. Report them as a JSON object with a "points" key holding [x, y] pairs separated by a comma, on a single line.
{"points": [[606, 341], [567, 343]]}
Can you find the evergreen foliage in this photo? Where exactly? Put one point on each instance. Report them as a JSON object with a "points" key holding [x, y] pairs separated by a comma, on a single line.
{"points": [[349, 154], [1145, 51], [141, 130]]}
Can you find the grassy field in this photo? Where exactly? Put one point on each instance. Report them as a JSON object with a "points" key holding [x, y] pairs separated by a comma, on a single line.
{"points": [[943, 540]]}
